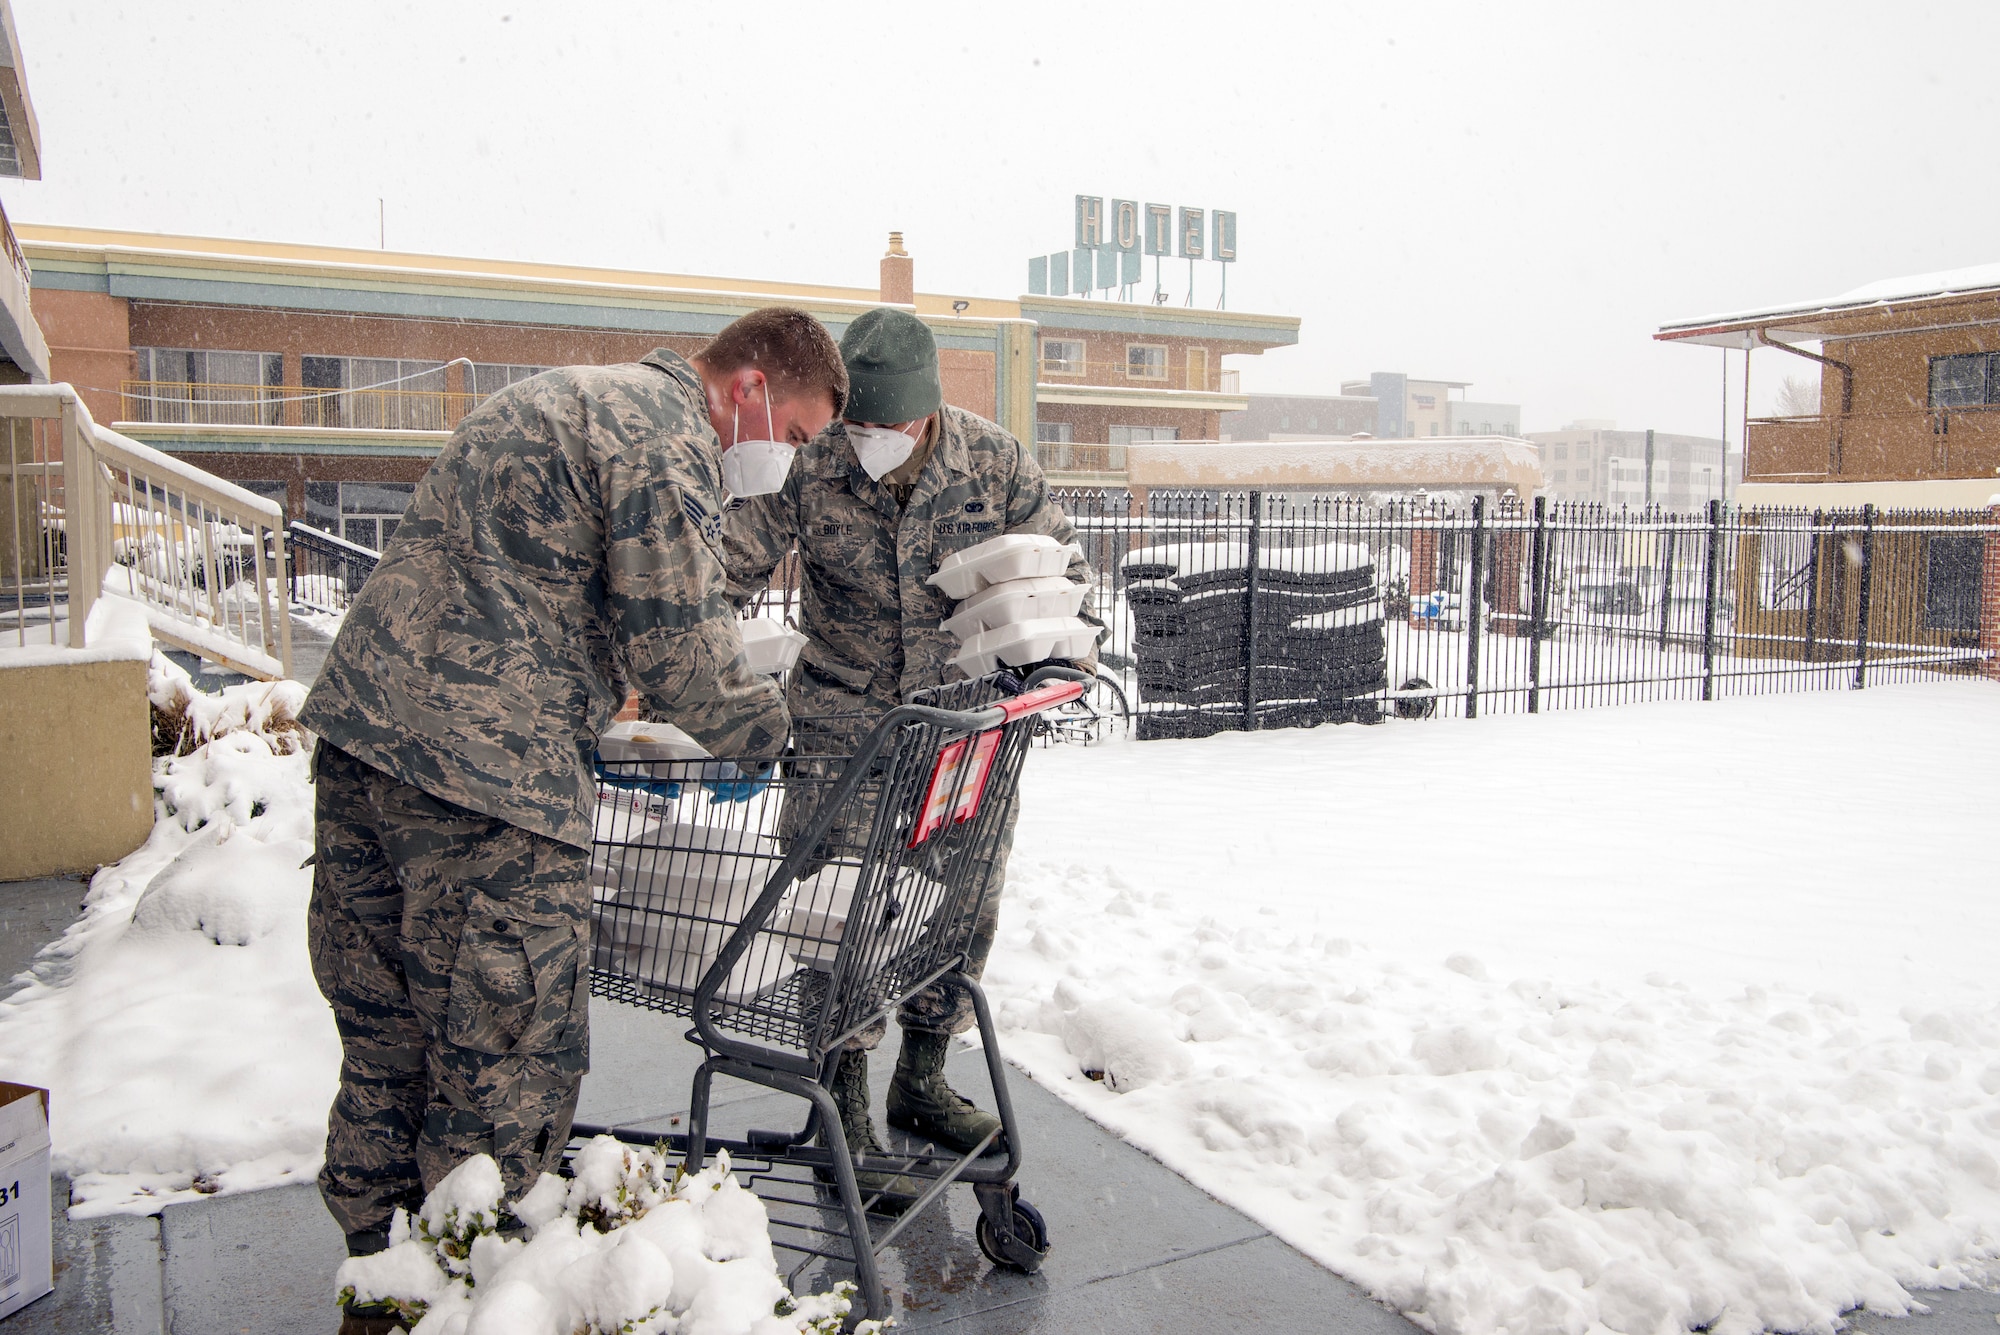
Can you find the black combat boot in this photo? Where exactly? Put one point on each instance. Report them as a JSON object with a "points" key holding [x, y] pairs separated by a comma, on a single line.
{"points": [[370, 1319], [850, 1092], [921, 1103]]}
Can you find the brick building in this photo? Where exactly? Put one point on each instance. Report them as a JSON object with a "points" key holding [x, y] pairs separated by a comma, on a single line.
{"points": [[328, 378]]}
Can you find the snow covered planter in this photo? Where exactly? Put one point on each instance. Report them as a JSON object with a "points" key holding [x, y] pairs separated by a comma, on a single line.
{"points": [[623, 1247]]}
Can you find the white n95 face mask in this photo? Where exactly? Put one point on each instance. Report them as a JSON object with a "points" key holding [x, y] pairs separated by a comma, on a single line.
{"points": [[755, 467], [881, 449]]}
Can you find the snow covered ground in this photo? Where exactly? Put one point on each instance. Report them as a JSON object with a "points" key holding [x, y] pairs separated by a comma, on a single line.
{"points": [[1636, 1019], [1632, 1019], [177, 1025]]}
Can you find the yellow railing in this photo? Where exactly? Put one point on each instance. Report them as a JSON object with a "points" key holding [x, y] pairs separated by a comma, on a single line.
{"points": [[294, 405], [1070, 457], [204, 558], [1109, 372]]}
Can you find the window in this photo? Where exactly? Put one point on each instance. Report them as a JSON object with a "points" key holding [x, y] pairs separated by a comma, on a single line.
{"points": [[1970, 381], [1054, 433], [210, 388], [1434, 428], [1145, 361], [1951, 580], [1561, 452], [1062, 356], [370, 511], [1485, 428], [269, 490], [379, 393], [1506, 428], [1560, 476], [492, 377], [1139, 435]]}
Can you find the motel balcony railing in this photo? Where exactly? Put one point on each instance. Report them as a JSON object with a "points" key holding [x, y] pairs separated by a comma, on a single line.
{"points": [[165, 401], [1118, 373], [1873, 447]]}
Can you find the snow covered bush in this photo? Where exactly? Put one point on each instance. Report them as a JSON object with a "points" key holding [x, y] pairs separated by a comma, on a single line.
{"points": [[185, 718], [621, 1248]]}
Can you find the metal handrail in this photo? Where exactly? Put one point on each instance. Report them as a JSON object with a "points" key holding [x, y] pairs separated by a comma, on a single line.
{"points": [[203, 557], [203, 404], [1112, 373]]}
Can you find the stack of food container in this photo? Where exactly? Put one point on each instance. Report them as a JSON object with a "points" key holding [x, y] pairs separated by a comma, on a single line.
{"points": [[668, 890], [1015, 606]]}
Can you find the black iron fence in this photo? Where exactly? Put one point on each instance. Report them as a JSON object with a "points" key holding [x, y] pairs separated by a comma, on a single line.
{"points": [[1252, 610], [1247, 610], [326, 571]]}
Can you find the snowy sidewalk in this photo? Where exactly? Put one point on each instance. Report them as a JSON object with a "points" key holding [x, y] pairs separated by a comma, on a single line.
{"points": [[1136, 1247]]}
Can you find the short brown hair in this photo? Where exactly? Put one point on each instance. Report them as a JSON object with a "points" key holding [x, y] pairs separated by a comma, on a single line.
{"points": [[792, 349]]}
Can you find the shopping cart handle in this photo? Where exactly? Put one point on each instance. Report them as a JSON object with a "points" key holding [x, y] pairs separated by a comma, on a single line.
{"points": [[1040, 698]]}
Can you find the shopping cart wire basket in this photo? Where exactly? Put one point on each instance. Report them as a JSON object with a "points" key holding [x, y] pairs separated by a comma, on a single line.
{"points": [[784, 924]]}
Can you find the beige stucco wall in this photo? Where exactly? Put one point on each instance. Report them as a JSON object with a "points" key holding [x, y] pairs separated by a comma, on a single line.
{"points": [[76, 786]]}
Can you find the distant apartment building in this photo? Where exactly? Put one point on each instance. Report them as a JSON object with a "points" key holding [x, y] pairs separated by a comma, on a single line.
{"points": [[1301, 417], [1388, 406], [1414, 409], [1594, 461]]}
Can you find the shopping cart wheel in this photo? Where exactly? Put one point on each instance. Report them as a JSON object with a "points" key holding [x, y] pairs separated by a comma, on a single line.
{"points": [[1027, 1245]]}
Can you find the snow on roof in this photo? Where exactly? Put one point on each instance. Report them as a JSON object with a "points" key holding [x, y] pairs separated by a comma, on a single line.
{"points": [[1915, 287], [1411, 462]]}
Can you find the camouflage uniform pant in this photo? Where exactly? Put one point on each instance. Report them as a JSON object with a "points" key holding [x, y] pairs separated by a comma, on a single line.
{"points": [[454, 951], [945, 1006]]}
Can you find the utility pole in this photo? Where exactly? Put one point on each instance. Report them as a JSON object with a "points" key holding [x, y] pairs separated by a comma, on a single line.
{"points": [[381, 223]]}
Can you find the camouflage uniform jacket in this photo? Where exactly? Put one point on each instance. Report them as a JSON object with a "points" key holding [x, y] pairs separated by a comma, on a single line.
{"points": [[873, 623], [565, 542]]}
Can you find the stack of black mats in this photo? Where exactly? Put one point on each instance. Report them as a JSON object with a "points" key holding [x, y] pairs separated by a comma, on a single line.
{"points": [[1320, 641]]}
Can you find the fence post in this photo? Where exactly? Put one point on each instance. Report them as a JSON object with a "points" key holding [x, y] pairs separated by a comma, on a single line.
{"points": [[1812, 588], [1714, 582], [1989, 594], [1538, 602], [84, 521], [1861, 613], [1250, 614], [1667, 587], [1473, 604]]}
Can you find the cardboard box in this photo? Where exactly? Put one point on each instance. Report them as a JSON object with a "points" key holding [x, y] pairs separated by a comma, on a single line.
{"points": [[26, 1269]]}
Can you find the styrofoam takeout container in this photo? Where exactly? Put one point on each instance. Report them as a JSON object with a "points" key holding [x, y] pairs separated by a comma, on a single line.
{"points": [[771, 646], [1015, 600], [709, 870], [622, 948], [820, 909], [1026, 642], [997, 560], [625, 742]]}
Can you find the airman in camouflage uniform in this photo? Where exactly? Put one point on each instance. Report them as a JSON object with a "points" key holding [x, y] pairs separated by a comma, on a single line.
{"points": [[875, 627], [565, 544]]}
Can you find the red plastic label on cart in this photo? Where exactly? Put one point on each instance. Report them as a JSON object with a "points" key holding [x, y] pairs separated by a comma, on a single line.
{"points": [[957, 782]]}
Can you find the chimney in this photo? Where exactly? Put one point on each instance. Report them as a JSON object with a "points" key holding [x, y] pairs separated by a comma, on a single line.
{"points": [[899, 280]]}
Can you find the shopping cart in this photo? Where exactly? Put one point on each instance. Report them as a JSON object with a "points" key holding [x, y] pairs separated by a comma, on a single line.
{"points": [[787, 923]]}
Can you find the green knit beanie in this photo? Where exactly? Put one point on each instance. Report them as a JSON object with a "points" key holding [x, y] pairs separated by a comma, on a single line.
{"points": [[892, 368]]}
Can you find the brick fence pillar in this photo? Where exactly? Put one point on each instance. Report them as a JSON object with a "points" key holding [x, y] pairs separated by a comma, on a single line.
{"points": [[1989, 595], [1423, 569], [1508, 558]]}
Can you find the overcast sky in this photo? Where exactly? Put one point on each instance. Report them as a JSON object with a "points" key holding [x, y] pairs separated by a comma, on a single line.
{"points": [[1514, 195]]}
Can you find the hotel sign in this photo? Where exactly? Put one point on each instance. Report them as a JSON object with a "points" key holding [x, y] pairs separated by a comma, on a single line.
{"points": [[1111, 237]]}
